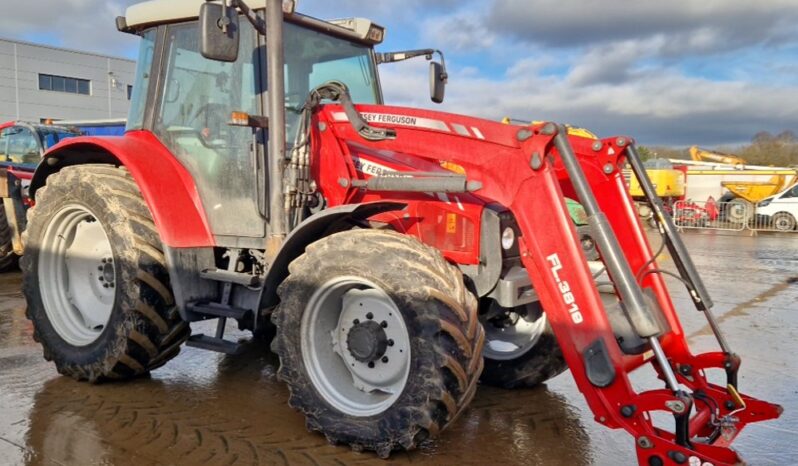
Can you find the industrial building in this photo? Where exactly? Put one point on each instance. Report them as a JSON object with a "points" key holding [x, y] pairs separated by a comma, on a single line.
{"points": [[40, 82]]}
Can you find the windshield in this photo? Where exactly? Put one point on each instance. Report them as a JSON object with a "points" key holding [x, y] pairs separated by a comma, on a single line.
{"points": [[313, 58], [52, 136]]}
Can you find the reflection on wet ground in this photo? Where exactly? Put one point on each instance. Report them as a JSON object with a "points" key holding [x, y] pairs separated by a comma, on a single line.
{"points": [[205, 408]]}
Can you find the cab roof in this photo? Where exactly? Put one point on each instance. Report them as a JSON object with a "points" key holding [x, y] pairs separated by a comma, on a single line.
{"points": [[154, 12]]}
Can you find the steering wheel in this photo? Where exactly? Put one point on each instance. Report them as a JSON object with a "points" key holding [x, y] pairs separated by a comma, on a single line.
{"points": [[210, 120]]}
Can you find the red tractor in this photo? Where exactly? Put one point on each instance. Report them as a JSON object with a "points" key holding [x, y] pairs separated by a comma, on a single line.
{"points": [[394, 256]]}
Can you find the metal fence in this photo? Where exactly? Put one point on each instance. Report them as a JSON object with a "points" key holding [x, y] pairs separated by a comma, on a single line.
{"points": [[779, 215]]}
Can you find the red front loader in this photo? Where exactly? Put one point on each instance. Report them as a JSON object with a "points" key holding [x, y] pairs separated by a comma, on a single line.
{"points": [[394, 256]]}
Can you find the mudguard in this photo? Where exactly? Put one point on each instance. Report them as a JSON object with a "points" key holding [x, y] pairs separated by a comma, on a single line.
{"points": [[312, 229], [167, 187]]}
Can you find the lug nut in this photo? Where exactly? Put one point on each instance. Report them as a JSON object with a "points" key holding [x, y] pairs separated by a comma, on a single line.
{"points": [[384, 324], [385, 359], [356, 321], [100, 268], [371, 365], [369, 316], [102, 279], [105, 285], [390, 342]]}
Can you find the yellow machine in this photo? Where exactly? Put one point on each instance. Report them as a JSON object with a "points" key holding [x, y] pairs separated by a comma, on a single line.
{"points": [[755, 191], [703, 155], [668, 182], [738, 203], [751, 191]]}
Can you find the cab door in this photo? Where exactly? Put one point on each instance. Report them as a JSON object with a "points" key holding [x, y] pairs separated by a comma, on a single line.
{"points": [[196, 99]]}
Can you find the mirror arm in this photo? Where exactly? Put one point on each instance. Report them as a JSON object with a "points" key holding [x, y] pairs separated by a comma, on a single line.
{"points": [[393, 57], [257, 22]]}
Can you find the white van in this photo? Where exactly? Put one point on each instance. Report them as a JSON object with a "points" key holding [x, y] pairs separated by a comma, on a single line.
{"points": [[780, 211]]}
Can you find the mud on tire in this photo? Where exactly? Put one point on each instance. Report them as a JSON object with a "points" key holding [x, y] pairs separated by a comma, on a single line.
{"points": [[144, 329], [8, 260], [440, 314]]}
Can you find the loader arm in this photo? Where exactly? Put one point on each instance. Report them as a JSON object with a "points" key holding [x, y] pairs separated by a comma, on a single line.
{"points": [[532, 170], [707, 417]]}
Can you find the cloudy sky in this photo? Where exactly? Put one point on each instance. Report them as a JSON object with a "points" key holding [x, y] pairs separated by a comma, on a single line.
{"points": [[675, 72]]}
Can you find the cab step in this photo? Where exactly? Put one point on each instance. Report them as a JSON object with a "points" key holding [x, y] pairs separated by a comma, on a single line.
{"points": [[213, 310], [219, 345]]}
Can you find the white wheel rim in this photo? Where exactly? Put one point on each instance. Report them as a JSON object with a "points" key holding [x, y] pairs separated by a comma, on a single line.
{"points": [[784, 223], [77, 276], [351, 386], [507, 342]]}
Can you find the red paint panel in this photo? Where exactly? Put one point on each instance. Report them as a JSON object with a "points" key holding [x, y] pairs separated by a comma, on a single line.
{"points": [[167, 187]]}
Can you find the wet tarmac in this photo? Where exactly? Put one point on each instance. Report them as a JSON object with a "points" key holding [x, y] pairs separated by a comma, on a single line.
{"points": [[206, 408]]}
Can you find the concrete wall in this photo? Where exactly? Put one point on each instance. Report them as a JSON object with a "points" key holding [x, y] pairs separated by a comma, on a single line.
{"points": [[21, 99]]}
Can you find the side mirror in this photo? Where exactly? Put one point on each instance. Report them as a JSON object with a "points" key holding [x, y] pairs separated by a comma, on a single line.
{"points": [[219, 32], [437, 82]]}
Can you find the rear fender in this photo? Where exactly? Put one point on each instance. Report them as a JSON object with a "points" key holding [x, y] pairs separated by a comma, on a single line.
{"points": [[167, 187]]}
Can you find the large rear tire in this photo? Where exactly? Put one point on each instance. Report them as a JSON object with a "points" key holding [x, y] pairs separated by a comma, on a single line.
{"points": [[378, 339], [95, 277], [8, 260]]}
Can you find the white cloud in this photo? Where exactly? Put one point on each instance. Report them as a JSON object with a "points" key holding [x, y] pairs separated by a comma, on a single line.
{"points": [[463, 31], [656, 107], [614, 66], [558, 24]]}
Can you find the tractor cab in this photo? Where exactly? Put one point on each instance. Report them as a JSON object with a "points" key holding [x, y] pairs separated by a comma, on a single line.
{"points": [[189, 100], [204, 102]]}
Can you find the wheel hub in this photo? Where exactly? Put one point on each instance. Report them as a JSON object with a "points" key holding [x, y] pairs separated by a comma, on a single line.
{"points": [[355, 346], [367, 341]]}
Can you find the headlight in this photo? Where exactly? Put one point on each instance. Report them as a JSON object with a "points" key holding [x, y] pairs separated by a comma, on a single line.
{"points": [[764, 203], [508, 238]]}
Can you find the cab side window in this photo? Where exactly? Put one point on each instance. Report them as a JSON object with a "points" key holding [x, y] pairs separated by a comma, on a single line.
{"points": [[791, 194], [4, 136], [23, 146]]}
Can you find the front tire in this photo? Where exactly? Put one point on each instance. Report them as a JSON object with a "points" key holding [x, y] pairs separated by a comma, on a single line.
{"points": [[95, 277], [521, 350], [378, 340], [783, 221]]}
